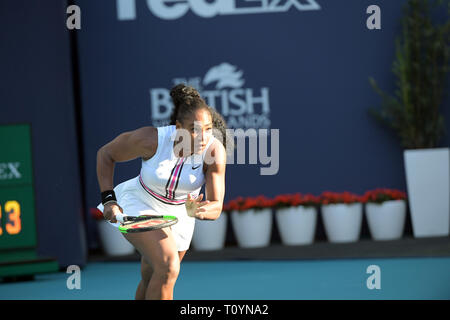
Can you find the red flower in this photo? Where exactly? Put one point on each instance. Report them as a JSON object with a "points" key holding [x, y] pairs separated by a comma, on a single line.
{"points": [[96, 214], [282, 200], [347, 197], [380, 195], [241, 204]]}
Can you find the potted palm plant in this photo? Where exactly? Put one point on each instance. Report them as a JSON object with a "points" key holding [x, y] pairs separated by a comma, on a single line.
{"points": [[296, 217], [342, 215], [421, 67], [251, 218], [385, 212]]}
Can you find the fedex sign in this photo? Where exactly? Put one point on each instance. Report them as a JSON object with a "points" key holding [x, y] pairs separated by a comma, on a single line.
{"points": [[175, 9]]}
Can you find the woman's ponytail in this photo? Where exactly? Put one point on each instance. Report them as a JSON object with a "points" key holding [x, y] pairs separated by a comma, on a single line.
{"points": [[184, 98]]}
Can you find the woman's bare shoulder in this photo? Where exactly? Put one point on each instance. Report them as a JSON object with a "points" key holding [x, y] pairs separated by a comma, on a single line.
{"points": [[216, 154], [217, 148], [147, 138]]}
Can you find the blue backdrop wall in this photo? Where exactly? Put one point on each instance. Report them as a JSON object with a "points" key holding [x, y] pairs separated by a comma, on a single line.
{"points": [[298, 66], [36, 87]]}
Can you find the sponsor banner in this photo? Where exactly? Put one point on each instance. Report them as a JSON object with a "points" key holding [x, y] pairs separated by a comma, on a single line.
{"points": [[177, 9], [297, 66], [224, 88], [15, 155]]}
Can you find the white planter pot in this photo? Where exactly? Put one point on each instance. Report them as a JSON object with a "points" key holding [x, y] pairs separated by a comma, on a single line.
{"points": [[342, 221], [427, 177], [297, 225], [113, 242], [252, 228], [386, 220], [210, 235]]}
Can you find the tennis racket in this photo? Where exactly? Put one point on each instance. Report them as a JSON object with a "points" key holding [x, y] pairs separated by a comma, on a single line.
{"points": [[133, 224]]}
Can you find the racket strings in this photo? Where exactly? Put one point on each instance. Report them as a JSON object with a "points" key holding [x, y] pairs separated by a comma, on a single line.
{"points": [[145, 223], [137, 224]]}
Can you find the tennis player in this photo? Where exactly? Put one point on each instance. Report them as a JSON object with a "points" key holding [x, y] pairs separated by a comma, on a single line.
{"points": [[177, 160]]}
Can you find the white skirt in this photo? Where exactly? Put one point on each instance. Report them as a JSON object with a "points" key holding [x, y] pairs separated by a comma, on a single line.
{"points": [[134, 201]]}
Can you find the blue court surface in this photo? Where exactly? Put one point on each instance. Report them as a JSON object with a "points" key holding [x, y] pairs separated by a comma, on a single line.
{"points": [[405, 278]]}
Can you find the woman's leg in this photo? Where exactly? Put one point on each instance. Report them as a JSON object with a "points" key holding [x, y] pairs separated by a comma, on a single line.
{"points": [[146, 274], [181, 254], [158, 249]]}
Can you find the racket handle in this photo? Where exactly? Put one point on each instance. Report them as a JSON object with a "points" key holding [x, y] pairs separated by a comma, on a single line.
{"points": [[119, 217]]}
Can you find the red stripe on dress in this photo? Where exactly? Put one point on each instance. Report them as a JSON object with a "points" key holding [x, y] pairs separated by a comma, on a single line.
{"points": [[170, 178], [174, 178], [158, 196]]}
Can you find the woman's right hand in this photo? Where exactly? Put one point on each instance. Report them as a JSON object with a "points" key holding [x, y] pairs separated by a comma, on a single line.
{"points": [[110, 210]]}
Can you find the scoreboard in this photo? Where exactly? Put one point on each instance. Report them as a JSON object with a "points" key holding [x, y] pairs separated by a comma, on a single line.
{"points": [[18, 237], [17, 216]]}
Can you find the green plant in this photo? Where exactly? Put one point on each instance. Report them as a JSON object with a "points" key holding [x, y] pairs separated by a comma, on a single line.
{"points": [[295, 200], [381, 195], [420, 67], [346, 197], [241, 204]]}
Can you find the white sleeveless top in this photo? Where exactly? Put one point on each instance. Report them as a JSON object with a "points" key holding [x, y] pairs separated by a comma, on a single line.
{"points": [[168, 178], [163, 185]]}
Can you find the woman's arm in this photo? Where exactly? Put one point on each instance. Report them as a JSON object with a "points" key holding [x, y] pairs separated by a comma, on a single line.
{"points": [[211, 208], [127, 146]]}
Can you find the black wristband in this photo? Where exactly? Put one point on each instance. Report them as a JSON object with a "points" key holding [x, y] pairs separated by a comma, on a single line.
{"points": [[108, 195]]}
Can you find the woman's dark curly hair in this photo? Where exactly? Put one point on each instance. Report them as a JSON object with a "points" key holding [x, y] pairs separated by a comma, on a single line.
{"points": [[186, 101]]}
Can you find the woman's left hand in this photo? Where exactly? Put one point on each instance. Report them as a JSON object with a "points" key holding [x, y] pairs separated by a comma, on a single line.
{"points": [[194, 206]]}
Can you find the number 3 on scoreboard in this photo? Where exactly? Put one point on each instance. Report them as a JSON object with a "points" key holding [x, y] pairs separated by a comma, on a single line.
{"points": [[14, 225]]}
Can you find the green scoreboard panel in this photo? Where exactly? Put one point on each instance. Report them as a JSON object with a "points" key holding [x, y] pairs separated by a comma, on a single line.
{"points": [[18, 239], [18, 228]]}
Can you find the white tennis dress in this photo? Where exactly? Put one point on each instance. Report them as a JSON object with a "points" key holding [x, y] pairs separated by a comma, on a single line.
{"points": [[162, 186]]}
